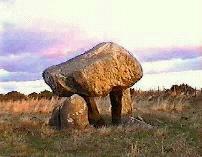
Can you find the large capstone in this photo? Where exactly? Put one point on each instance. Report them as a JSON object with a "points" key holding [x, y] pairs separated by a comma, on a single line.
{"points": [[106, 67]]}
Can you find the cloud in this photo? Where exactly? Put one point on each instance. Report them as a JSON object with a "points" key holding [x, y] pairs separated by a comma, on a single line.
{"points": [[7, 1], [132, 23], [36, 34], [167, 53], [172, 65], [166, 80], [26, 50], [27, 62], [25, 87], [18, 76], [4, 73], [18, 40]]}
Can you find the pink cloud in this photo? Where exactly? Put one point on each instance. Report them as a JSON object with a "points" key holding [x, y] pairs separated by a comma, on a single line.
{"points": [[71, 42]]}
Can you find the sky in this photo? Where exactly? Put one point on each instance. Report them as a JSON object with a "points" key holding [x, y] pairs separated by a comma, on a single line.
{"points": [[164, 35]]}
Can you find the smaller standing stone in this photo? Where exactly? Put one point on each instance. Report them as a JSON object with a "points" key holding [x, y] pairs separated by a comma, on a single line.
{"points": [[72, 113], [104, 103], [127, 104], [55, 118]]}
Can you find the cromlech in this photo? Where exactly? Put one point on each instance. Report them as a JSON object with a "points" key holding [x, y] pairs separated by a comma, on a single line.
{"points": [[105, 70]]}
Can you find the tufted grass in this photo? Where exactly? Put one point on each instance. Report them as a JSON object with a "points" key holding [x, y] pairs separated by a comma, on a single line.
{"points": [[176, 132]]}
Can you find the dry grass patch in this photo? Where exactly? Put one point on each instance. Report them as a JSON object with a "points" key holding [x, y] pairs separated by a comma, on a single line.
{"points": [[24, 132], [162, 103], [28, 106]]}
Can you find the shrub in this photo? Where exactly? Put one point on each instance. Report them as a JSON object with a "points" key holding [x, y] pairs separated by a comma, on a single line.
{"points": [[14, 95], [45, 94], [33, 95]]}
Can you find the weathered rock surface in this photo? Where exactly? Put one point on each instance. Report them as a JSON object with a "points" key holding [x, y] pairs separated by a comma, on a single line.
{"points": [[127, 104], [106, 67], [71, 113], [55, 118], [104, 103]]}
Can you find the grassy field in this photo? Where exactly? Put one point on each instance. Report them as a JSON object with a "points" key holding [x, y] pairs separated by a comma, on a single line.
{"points": [[176, 130]]}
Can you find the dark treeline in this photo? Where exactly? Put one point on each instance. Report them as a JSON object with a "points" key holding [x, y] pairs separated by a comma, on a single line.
{"points": [[14, 96], [175, 90]]}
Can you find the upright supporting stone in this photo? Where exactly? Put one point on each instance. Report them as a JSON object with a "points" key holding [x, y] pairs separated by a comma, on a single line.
{"points": [[116, 102], [127, 104], [94, 116], [121, 104], [104, 104]]}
